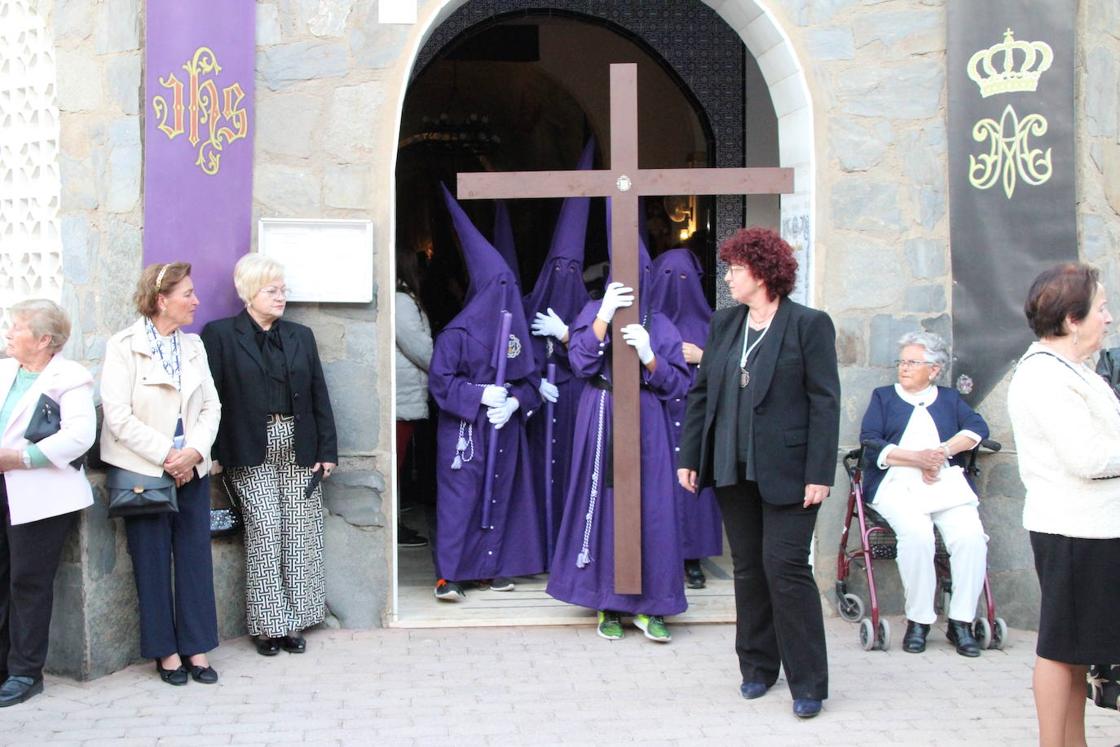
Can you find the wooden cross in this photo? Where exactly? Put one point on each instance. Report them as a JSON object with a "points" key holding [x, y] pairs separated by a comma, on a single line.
{"points": [[624, 183]]}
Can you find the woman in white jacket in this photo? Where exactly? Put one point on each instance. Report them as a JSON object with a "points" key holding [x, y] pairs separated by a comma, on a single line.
{"points": [[42, 492], [161, 415], [1066, 422], [413, 355]]}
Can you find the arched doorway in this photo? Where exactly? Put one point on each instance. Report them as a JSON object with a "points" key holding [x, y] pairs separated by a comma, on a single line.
{"points": [[520, 91]]}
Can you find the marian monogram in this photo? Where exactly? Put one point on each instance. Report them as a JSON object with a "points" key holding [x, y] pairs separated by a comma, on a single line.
{"points": [[211, 119], [1010, 67]]}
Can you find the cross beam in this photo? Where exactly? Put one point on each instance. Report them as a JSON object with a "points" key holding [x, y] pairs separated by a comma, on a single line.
{"points": [[624, 183]]}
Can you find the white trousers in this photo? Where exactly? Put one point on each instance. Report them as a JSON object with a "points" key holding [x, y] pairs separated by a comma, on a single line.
{"points": [[968, 554]]}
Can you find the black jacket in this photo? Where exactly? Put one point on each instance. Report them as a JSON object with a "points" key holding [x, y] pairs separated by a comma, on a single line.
{"points": [[239, 375], [795, 387]]}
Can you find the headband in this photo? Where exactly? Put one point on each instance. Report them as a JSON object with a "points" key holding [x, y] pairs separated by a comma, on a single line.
{"points": [[159, 277]]}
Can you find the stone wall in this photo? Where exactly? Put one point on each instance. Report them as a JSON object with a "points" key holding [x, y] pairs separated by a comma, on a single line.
{"points": [[329, 91]]}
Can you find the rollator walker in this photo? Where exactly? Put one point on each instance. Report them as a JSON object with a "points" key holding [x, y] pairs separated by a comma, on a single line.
{"points": [[878, 542]]}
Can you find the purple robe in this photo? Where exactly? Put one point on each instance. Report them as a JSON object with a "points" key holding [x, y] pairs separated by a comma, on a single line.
{"points": [[516, 545], [583, 562], [464, 361], [559, 287], [676, 292]]}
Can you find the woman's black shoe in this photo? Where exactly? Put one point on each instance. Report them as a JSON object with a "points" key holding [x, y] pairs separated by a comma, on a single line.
{"points": [[268, 646], [177, 676], [293, 644], [914, 642], [205, 675]]}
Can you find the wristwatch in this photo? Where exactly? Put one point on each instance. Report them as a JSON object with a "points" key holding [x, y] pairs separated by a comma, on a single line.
{"points": [[945, 448], [25, 457]]}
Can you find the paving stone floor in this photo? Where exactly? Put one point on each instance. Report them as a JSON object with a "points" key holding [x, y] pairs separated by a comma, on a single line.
{"points": [[546, 685]]}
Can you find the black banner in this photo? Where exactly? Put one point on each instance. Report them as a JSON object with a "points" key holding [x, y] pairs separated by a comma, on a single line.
{"points": [[1011, 172]]}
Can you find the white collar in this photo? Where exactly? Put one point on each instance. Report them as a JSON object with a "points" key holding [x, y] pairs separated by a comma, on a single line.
{"points": [[924, 398]]}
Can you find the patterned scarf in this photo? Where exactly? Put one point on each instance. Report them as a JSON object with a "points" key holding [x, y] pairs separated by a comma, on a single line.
{"points": [[167, 349]]}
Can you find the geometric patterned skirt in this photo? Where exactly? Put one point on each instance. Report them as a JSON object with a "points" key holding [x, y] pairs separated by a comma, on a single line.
{"points": [[285, 590]]}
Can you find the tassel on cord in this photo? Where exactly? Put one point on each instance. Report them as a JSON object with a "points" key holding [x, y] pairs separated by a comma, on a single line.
{"points": [[464, 443]]}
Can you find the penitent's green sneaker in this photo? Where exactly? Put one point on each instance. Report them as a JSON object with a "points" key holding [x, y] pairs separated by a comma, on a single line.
{"points": [[610, 625], [654, 627]]}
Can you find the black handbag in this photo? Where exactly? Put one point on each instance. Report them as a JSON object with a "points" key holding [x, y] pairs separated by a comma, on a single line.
{"points": [[47, 421], [1104, 685], [134, 494], [226, 522]]}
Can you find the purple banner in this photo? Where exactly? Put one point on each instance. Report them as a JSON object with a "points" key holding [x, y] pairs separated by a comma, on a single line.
{"points": [[198, 148]]}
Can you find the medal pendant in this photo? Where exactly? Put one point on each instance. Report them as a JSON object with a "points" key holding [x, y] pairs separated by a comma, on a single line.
{"points": [[744, 378]]}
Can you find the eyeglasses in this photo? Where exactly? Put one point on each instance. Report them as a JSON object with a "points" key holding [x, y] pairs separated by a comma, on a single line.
{"points": [[274, 292], [911, 363], [737, 268]]}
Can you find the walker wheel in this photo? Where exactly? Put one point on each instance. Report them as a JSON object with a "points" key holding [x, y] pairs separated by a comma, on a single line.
{"points": [[999, 635], [866, 634], [883, 642], [850, 607], [982, 629]]}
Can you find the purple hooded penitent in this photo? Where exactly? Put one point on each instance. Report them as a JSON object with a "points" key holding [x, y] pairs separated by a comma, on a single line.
{"points": [[464, 361], [559, 287], [503, 238], [676, 291], [583, 562]]}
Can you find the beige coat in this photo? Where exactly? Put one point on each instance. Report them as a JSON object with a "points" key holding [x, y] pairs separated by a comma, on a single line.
{"points": [[141, 405], [58, 488]]}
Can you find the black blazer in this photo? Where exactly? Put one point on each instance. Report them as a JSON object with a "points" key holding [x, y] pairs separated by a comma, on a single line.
{"points": [[796, 394], [235, 362]]}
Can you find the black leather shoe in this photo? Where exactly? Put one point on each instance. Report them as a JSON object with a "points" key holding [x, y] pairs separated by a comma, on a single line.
{"points": [[177, 676], [694, 575], [17, 689], [960, 634], [293, 644], [268, 646], [752, 690], [205, 675], [914, 642], [806, 707]]}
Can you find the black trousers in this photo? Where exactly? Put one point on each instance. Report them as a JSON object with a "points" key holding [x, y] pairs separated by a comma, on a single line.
{"points": [[778, 619], [179, 618], [29, 556]]}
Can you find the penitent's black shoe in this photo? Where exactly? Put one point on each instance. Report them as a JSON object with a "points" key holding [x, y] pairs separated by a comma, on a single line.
{"points": [[16, 689], [914, 642], [960, 634], [694, 575]]}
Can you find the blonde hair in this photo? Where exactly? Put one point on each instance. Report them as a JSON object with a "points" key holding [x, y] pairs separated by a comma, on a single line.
{"points": [[253, 272], [44, 318]]}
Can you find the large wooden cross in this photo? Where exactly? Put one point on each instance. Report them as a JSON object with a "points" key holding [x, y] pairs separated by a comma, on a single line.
{"points": [[624, 183]]}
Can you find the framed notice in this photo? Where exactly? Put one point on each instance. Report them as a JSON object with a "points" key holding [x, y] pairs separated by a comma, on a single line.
{"points": [[325, 261]]}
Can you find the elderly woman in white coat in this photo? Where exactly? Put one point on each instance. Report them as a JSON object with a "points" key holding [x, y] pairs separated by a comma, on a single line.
{"points": [[41, 492], [413, 356], [161, 415]]}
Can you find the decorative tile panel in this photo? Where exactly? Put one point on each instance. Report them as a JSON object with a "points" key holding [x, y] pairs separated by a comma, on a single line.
{"points": [[30, 185]]}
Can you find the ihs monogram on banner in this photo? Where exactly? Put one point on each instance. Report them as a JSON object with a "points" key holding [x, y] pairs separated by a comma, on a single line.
{"points": [[1010, 157], [221, 116]]}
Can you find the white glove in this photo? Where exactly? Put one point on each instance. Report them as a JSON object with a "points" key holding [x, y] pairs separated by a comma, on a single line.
{"points": [[549, 391], [501, 414], [550, 325], [637, 337], [617, 296], [494, 395]]}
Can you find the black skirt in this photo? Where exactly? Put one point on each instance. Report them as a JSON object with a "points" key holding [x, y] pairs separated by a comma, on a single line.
{"points": [[1080, 598]]}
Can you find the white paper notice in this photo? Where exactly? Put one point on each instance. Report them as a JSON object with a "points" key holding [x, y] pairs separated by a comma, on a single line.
{"points": [[396, 11], [325, 261]]}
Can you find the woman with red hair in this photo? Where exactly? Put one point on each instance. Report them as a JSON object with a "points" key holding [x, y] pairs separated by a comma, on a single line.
{"points": [[762, 427]]}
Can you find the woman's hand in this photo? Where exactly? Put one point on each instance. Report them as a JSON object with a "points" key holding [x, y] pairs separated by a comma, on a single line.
{"points": [[692, 353], [10, 459], [180, 463], [687, 478], [814, 494], [327, 467], [930, 476], [215, 467]]}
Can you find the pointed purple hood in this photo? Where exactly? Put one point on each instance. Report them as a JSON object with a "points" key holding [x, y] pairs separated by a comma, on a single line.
{"points": [[493, 288], [677, 292], [503, 237], [560, 283]]}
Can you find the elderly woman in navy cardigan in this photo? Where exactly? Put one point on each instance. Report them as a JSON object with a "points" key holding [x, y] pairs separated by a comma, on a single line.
{"points": [[915, 435]]}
